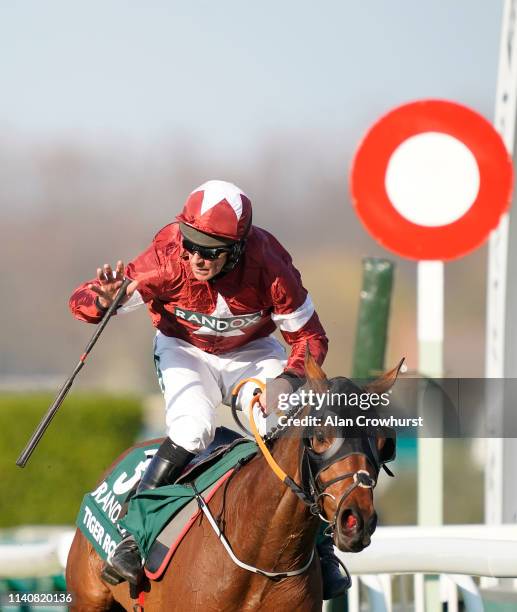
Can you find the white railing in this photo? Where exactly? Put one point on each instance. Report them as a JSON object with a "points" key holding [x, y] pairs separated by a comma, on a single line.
{"points": [[36, 552], [456, 551]]}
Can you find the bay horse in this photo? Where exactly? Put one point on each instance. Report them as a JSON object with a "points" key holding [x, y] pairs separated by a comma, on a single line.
{"points": [[266, 524]]}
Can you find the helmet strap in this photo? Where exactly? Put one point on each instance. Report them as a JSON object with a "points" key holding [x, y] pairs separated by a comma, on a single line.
{"points": [[233, 259], [235, 254]]}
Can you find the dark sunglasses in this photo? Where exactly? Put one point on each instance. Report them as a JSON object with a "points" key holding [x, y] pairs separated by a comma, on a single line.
{"points": [[210, 253]]}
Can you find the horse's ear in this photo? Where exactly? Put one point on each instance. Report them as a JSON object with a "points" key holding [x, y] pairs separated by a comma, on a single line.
{"points": [[316, 377], [386, 381], [312, 369]]}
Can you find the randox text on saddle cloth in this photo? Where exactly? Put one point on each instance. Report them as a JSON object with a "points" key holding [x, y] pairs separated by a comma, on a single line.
{"points": [[100, 510]]}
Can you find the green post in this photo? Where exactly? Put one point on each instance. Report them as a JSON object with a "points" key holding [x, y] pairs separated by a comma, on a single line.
{"points": [[372, 323], [370, 340]]}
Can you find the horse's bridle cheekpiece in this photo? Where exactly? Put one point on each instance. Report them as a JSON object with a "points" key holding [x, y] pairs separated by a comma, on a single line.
{"points": [[312, 464]]}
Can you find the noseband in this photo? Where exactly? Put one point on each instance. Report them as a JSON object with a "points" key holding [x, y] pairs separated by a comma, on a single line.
{"points": [[312, 464]]}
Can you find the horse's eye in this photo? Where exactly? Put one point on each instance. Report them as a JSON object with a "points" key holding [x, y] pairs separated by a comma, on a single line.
{"points": [[319, 435]]}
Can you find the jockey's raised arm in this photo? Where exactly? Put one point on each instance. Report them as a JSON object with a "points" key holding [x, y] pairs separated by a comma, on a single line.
{"points": [[90, 300]]}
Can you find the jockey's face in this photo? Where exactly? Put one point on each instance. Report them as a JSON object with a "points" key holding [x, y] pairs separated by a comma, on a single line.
{"points": [[205, 269]]}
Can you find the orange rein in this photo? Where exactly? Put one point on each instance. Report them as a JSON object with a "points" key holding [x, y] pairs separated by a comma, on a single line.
{"points": [[258, 438]]}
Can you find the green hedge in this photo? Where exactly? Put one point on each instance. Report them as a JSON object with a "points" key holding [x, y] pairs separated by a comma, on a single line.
{"points": [[88, 432]]}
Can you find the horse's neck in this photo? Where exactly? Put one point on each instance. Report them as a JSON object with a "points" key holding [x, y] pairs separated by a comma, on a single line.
{"points": [[286, 453], [291, 528]]}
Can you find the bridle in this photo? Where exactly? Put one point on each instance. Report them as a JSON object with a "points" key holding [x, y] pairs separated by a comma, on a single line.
{"points": [[311, 490], [313, 463]]}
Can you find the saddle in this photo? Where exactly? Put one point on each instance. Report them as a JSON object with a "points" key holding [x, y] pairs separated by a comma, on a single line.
{"points": [[223, 440], [168, 540], [158, 518]]}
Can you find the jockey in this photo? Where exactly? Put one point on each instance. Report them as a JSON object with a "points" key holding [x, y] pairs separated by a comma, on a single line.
{"points": [[216, 287]]}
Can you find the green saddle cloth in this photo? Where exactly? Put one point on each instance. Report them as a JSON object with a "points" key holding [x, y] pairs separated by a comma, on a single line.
{"points": [[150, 511]]}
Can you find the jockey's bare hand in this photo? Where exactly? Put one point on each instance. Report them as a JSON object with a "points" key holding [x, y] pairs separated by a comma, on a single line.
{"points": [[275, 388], [109, 284]]}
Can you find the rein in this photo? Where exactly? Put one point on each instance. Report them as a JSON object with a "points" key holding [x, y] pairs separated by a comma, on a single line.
{"points": [[279, 472]]}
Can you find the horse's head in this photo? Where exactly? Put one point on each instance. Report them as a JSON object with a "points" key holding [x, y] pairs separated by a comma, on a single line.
{"points": [[342, 459]]}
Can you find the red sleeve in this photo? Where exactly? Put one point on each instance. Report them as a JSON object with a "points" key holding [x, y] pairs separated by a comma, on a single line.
{"points": [[146, 269], [82, 303], [294, 315]]}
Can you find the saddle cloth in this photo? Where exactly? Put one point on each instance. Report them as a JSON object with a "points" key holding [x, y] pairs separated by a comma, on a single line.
{"points": [[158, 518]]}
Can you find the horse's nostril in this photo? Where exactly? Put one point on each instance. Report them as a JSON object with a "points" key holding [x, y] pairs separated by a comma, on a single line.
{"points": [[349, 520]]}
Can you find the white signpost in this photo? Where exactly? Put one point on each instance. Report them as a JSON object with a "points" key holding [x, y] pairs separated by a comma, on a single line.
{"points": [[430, 180], [501, 356]]}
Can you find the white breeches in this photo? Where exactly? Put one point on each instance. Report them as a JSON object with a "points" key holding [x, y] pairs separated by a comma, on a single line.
{"points": [[194, 383]]}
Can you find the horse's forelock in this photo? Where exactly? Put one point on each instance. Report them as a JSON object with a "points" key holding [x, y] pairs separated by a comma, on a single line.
{"points": [[344, 386], [341, 384]]}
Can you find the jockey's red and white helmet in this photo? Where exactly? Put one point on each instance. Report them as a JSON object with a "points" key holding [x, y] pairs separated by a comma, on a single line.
{"points": [[216, 213]]}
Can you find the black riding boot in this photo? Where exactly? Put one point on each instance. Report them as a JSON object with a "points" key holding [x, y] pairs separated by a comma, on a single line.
{"points": [[334, 583], [165, 467]]}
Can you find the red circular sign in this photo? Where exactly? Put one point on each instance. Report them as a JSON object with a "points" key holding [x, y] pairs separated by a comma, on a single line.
{"points": [[491, 195]]}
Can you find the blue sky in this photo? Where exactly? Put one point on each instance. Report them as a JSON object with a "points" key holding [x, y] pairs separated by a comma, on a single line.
{"points": [[228, 73], [272, 95]]}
